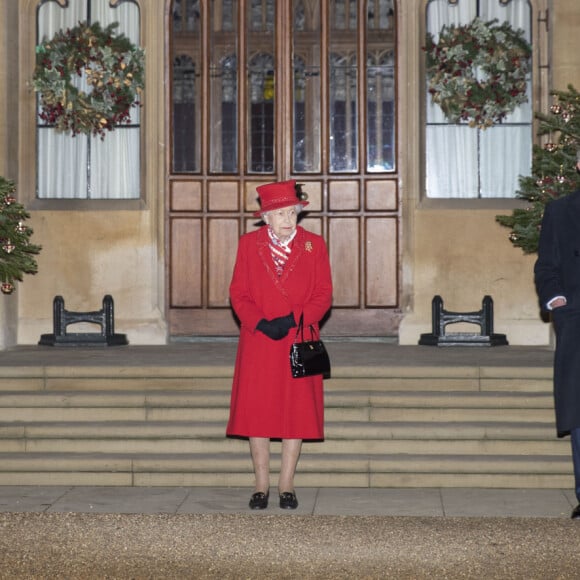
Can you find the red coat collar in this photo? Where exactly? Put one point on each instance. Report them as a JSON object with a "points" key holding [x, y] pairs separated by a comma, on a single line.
{"points": [[264, 253]]}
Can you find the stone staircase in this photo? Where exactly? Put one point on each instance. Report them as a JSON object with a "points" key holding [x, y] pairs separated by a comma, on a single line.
{"points": [[412, 426]]}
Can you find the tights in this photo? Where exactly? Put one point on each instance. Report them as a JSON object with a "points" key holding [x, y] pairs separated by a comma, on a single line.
{"points": [[260, 451]]}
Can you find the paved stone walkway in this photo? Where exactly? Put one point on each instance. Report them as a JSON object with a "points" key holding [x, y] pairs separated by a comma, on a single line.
{"points": [[430, 502]]}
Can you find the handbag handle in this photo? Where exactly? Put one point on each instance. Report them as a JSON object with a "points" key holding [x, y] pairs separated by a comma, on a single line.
{"points": [[300, 329]]}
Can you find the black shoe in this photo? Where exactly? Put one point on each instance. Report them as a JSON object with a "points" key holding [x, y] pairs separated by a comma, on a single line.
{"points": [[576, 512], [259, 500], [288, 500]]}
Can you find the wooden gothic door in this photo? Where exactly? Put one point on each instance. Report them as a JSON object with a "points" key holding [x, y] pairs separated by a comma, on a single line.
{"points": [[262, 90]]}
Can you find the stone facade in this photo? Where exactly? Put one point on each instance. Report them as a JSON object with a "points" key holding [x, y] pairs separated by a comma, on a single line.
{"points": [[455, 249]]}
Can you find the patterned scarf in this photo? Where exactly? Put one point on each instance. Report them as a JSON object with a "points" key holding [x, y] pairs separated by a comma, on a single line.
{"points": [[280, 251]]}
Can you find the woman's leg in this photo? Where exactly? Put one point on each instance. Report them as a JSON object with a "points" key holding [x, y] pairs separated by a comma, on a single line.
{"points": [[260, 451], [290, 454]]}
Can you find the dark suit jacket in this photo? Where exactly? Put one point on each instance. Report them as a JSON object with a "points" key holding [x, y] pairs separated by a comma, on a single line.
{"points": [[557, 273], [557, 270]]}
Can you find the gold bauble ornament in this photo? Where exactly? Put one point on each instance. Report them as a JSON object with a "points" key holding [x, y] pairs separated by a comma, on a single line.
{"points": [[8, 247]]}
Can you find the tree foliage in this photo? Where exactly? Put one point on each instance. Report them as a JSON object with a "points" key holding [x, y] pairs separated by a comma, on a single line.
{"points": [[16, 251], [554, 173]]}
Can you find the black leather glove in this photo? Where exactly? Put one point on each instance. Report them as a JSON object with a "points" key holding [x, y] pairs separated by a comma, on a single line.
{"points": [[277, 328]]}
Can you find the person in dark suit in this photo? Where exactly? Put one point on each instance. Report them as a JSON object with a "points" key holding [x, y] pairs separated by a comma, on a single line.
{"points": [[557, 279]]}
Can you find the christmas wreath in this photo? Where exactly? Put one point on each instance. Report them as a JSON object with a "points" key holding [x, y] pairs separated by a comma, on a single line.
{"points": [[478, 72], [88, 79]]}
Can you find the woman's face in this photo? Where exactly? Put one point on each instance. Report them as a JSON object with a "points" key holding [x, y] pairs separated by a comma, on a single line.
{"points": [[282, 221]]}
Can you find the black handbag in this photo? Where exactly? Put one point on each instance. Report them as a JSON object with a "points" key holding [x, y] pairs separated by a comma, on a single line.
{"points": [[309, 357]]}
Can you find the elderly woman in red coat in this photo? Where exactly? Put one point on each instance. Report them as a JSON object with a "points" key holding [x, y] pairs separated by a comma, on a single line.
{"points": [[282, 272]]}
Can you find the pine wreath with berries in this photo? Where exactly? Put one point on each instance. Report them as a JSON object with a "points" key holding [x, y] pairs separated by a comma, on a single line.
{"points": [[478, 72], [88, 79]]}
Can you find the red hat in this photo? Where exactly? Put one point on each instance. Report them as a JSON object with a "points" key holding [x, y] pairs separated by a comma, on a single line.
{"points": [[278, 195]]}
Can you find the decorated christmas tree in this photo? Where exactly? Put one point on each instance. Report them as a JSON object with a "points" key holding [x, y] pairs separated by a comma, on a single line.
{"points": [[554, 172], [16, 251]]}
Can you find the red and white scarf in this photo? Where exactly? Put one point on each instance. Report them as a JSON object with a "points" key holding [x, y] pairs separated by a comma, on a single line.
{"points": [[280, 251]]}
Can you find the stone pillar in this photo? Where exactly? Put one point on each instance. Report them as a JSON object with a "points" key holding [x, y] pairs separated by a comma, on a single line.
{"points": [[9, 88]]}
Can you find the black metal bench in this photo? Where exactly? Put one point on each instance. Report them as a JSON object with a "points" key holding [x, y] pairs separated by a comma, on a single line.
{"points": [[441, 318], [62, 318]]}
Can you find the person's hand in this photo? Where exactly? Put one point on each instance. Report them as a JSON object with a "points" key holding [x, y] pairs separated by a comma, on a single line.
{"points": [[277, 328], [558, 303]]}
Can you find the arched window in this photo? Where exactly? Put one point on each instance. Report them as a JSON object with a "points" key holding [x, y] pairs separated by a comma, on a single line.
{"points": [[87, 166], [466, 162]]}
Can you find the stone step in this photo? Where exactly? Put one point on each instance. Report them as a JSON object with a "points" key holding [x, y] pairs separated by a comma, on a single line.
{"points": [[479, 447], [235, 469], [385, 378], [211, 398], [422, 425], [156, 430], [334, 430], [239, 462], [341, 437], [214, 406], [220, 415], [357, 446]]}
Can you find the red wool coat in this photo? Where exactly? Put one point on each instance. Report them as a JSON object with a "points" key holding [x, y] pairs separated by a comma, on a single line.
{"points": [[266, 401]]}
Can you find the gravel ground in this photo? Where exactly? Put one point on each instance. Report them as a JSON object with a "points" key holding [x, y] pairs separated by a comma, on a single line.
{"points": [[116, 546]]}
